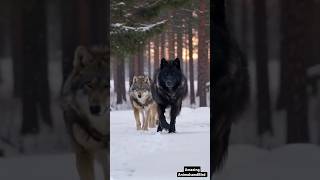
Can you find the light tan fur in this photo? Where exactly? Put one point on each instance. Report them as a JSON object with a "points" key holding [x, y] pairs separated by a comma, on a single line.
{"points": [[136, 112], [87, 154], [149, 120], [141, 87], [153, 115]]}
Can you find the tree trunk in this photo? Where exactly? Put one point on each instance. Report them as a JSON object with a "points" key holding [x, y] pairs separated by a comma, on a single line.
{"points": [[230, 18], [203, 54], [83, 21], [98, 19], [171, 37], [282, 95], [297, 49], [186, 56], [140, 61], [69, 38], [120, 80], [179, 41], [135, 64], [149, 58], [156, 58], [262, 58], [131, 68], [191, 71], [316, 30], [244, 24], [16, 46], [115, 75], [2, 39], [35, 98], [163, 45]]}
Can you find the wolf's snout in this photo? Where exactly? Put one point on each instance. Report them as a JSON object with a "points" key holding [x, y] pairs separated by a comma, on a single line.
{"points": [[95, 110], [139, 95], [169, 84]]}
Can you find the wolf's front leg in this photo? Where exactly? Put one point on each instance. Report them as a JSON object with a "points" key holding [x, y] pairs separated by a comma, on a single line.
{"points": [[145, 121], [103, 159], [162, 119], [85, 167], [175, 110], [151, 118], [137, 118]]}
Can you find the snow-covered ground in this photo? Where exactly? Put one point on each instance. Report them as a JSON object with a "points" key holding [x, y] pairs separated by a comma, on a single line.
{"points": [[289, 162], [41, 167], [139, 155]]}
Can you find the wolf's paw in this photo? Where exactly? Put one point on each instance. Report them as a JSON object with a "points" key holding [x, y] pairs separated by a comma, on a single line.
{"points": [[159, 129], [152, 125], [172, 130], [139, 128]]}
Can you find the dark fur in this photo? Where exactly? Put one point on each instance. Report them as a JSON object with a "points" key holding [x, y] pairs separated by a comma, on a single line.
{"points": [[168, 89], [230, 91]]}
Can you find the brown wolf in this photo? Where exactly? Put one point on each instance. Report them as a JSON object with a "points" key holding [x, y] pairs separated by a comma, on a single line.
{"points": [[85, 104], [142, 102]]}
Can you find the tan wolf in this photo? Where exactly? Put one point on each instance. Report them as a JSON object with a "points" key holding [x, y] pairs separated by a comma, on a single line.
{"points": [[85, 104], [142, 102]]}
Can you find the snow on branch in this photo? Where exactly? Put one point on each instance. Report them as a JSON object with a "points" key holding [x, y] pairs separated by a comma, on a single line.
{"points": [[143, 28]]}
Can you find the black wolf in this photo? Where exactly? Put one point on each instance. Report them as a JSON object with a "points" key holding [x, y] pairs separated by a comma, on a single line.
{"points": [[168, 89], [230, 90]]}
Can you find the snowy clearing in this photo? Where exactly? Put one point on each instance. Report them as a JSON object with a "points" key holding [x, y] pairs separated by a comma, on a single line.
{"points": [[150, 155]]}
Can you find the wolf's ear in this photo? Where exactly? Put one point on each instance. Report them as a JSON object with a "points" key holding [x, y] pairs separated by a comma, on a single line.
{"points": [[148, 80], [82, 57], [135, 79], [177, 63], [163, 63]]}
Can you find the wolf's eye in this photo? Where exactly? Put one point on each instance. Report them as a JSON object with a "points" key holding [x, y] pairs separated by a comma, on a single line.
{"points": [[88, 85]]}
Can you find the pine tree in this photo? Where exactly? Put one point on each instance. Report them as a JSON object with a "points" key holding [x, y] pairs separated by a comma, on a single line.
{"points": [[190, 49], [296, 50], [202, 54], [35, 98], [156, 58], [261, 54], [133, 22]]}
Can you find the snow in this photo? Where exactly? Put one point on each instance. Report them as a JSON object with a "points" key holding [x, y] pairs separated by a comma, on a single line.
{"points": [[294, 162], [48, 167], [142, 28], [139, 155], [121, 4]]}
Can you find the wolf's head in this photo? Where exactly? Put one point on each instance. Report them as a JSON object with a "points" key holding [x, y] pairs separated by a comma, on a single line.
{"points": [[141, 88], [89, 81], [170, 74]]}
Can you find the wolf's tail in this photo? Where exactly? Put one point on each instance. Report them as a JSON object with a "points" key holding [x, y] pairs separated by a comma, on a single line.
{"points": [[164, 124]]}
